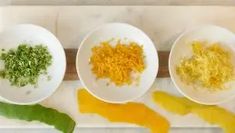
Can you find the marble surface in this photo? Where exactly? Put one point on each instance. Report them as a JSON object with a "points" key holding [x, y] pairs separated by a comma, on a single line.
{"points": [[162, 23], [117, 2]]}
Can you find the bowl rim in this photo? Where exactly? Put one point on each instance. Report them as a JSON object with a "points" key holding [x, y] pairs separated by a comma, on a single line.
{"points": [[171, 58], [82, 81], [64, 60]]}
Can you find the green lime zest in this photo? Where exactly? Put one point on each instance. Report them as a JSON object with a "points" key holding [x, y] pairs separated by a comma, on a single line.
{"points": [[23, 66]]}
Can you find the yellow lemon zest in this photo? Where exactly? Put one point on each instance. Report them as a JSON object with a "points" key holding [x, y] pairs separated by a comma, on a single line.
{"points": [[211, 66]]}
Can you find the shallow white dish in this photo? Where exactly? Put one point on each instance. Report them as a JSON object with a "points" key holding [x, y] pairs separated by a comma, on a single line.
{"points": [[182, 48], [32, 34], [112, 93]]}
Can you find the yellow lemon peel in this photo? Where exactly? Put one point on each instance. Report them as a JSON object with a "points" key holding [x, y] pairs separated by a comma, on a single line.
{"points": [[211, 114]]}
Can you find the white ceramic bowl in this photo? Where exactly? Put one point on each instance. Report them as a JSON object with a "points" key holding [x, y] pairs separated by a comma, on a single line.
{"points": [[182, 48], [112, 93], [34, 35]]}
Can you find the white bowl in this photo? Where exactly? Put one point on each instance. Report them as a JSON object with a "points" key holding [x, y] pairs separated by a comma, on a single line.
{"points": [[182, 48], [112, 93], [34, 35]]}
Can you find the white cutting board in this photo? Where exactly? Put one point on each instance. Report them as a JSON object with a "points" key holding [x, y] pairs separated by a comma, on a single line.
{"points": [[71, 23]]}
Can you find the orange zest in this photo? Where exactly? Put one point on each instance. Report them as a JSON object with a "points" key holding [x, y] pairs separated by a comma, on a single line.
{"points": [[117, 63], [135, 113]]}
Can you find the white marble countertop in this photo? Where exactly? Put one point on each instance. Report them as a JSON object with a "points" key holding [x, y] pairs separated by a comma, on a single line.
{"points": [[117, 2], [162, 23]]}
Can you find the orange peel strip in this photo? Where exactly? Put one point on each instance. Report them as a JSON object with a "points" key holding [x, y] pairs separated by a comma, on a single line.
{"points": [[135, 113]]}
